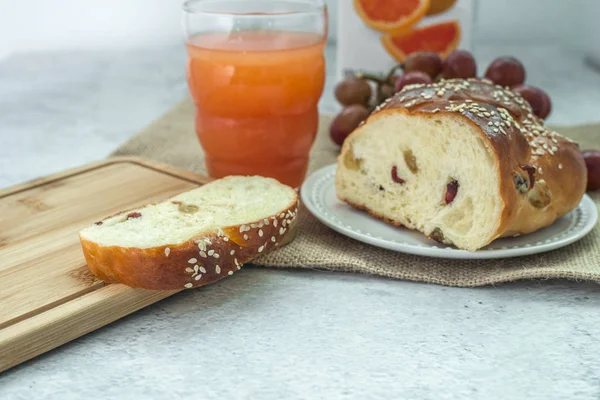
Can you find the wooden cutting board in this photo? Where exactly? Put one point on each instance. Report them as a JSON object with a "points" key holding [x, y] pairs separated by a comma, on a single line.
{"points": [[48, 297]]}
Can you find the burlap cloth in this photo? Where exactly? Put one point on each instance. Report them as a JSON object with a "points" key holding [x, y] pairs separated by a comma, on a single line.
{"points": [[171, 139]]}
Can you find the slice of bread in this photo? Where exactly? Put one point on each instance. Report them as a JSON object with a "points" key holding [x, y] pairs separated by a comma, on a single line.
{"points": [[194, 238]]}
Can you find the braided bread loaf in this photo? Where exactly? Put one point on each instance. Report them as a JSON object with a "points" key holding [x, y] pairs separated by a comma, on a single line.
{"points": [[463, 161]]}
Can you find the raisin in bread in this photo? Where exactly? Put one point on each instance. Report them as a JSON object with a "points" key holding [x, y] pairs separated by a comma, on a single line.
{"points": [[194, 238], [463, 161]]}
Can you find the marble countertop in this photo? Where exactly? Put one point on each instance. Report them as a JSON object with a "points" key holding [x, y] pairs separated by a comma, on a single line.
{"points": [[271, 334]]}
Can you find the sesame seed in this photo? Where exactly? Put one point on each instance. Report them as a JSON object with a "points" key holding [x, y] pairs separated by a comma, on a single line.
{"points": [[220, 232], [496, 130], [245, 236], [281, 215], [203, 270], [188, 285], [203, 254], [273, 239], [232, 252], [198, 277], [216, 255], [282, 231], [189, 270], [284, 222], [230, 273], [192, 261], [236, 261], [261, 248], [217, 269], [242, 228], [196, 268], [238, 267], [167, 251], [211, 252], [266, 221], [226, 239], [260, 232], [275, 223], [560, 166]]}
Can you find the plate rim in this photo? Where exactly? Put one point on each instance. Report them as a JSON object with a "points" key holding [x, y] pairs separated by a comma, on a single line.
{"points": [[442, 251]]}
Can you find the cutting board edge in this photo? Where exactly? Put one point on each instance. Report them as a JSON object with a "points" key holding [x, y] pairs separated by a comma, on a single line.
{"points": [[144, 162], [37, 335]]}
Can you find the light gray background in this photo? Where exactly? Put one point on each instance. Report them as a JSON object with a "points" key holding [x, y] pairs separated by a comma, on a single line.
{"points": [[269, 334]]}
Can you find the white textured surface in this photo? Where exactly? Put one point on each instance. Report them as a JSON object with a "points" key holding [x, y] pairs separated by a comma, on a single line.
{"points": [[267, 334]]}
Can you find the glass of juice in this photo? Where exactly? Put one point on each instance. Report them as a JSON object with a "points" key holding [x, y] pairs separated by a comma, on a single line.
{"points": [[256, 71]]}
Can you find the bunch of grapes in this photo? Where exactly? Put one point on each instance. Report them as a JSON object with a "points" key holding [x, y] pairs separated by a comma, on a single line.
{"points": [[360, 94]]}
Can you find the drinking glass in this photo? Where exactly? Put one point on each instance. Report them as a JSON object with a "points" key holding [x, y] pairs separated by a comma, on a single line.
{"points": [[256, 71]]}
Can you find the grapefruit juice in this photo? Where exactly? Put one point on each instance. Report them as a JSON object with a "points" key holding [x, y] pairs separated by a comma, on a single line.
{"points": [[256, 95]]}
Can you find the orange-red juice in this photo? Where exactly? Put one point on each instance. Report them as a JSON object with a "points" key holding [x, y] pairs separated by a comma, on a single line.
{"points": [[256, 96]]}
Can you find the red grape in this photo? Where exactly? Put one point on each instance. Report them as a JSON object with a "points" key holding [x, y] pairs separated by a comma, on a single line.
{"points": [[459, 64], [424, 61], [592, 162], [506, 71], [537, 98], [411, 78], [353, 90], [347, 121]]}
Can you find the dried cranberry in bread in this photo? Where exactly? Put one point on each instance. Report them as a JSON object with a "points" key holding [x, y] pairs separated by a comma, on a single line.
{"points": [[463, 161], [194, 238]]}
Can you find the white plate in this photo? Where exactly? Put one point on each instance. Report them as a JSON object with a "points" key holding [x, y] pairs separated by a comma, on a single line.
{"points": [[318, 195]]}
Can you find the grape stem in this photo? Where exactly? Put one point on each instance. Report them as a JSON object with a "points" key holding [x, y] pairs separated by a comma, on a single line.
{"points": [[379, 80], [371, 77], [393, 71]]}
